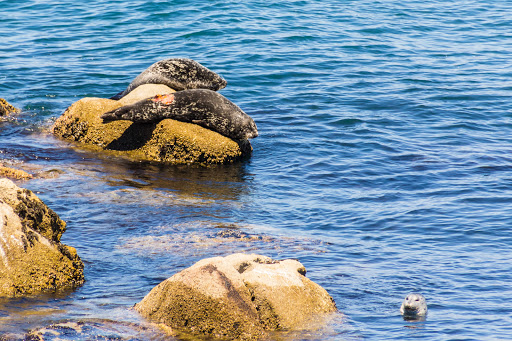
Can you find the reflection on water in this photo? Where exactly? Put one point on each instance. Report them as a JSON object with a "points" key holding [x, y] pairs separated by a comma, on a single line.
{"points": [[16, 314], [221, 182]]}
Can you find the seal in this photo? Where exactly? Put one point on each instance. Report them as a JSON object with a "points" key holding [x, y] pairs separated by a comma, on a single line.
{"points": [[178, 74], [203, 107], [414, 307]]}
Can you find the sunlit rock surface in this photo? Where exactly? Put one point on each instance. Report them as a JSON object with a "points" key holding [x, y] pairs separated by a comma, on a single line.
{"points": [[237, 297], [166, 141], [32, 258]]}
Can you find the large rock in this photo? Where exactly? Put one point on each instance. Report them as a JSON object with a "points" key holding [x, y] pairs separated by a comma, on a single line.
{"points": [[166, 141], [32, 258], [237, 297]]}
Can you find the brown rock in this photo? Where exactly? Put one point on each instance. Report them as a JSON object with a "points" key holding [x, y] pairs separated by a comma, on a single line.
{"points": [[6, 108], [12, 173], [32, 258], [237, 297], [166, 141]]}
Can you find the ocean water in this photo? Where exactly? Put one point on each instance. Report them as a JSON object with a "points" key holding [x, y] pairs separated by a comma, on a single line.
{"points": [[384, 161]]}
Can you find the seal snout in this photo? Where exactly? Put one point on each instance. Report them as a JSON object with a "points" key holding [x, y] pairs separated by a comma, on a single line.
{"points": [[252, 132], [113, 115], [221, 83]]}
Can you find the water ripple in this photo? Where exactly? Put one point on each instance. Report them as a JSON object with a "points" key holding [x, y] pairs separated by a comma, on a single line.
{"points": [[382, 164]]}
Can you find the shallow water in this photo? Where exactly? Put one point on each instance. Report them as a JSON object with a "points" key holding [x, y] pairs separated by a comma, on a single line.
{"points": [[383, 162]]}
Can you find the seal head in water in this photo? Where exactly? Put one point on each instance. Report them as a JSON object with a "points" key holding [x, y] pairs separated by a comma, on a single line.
{"points": [[414, 307], [206, 108], [178, 74]]}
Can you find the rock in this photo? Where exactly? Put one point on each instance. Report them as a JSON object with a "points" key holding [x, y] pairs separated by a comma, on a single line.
{"points": [[12, 173], [166, 141], [237, 297], [32, 258], [95, 329], [6, 108]]}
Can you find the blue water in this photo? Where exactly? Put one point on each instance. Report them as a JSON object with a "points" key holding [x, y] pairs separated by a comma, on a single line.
{"points": [[384, 161]]}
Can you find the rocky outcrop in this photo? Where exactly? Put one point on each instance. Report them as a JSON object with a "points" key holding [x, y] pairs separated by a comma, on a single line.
{"points": [[6, 108], [237, 297], [166, 141], [32, 258]]}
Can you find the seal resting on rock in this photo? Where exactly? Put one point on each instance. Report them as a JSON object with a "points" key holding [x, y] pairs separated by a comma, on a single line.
{"points": [[178, 74], [414, 307], [205, 108]]}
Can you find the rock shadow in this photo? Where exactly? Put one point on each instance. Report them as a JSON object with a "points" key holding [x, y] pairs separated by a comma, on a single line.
{"points": [[134, 137]]}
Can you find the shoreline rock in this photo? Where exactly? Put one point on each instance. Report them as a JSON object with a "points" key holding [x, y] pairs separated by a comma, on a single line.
{"points": [[240, 297], [166, 141], [6, 108], [32, 258]]}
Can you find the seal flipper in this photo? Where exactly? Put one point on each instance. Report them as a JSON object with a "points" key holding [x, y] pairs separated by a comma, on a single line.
{"points": [[148, 110]]}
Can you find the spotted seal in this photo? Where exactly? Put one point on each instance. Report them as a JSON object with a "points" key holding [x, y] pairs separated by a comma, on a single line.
{"points": [[178, 74], [206, 108], [414, 307]]}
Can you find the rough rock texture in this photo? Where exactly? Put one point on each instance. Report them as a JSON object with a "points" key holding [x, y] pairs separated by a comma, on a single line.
{"points": [[166, 141], [32, 259], [6, 108], [13, 173], [237, 297]]}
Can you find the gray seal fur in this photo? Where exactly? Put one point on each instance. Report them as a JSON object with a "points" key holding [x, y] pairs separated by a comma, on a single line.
{"points": [[414, 307], [178, 74], [206, 108]]}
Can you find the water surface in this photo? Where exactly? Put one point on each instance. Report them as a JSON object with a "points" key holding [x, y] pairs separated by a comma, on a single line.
{"points": [[383, 162]]}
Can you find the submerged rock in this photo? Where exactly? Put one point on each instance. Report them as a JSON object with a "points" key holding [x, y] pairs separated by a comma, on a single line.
{"points": [[165, 141], [95, 330], [32, 258], [13, 173], [6, 108], [237, 297]]}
